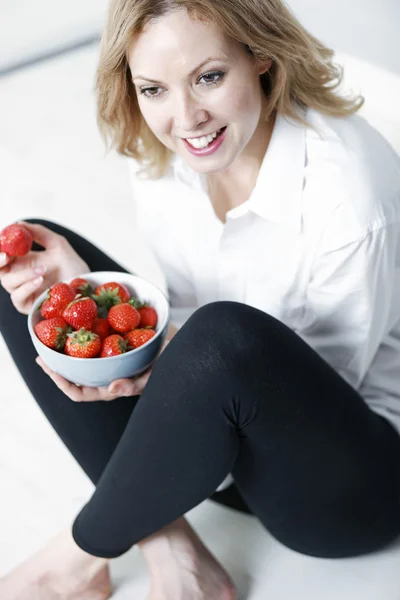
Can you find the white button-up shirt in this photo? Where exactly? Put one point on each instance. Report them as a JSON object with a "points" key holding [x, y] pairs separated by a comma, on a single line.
{"points": [[316, 245]]}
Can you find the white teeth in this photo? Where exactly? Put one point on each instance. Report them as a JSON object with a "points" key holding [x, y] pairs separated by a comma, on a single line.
{"points": [[204, 141]]}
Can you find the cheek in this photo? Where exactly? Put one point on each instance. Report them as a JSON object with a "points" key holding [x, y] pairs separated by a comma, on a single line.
{"points": [[238, 101], [246, 101], [153, 118]]}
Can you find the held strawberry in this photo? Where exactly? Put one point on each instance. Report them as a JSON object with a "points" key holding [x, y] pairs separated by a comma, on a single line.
{"points": [[81, 313], [123, 317], [82, 344], [58, 298], [148, 315], [113, 345], [16, 240], [53, 332], [138, 337]]}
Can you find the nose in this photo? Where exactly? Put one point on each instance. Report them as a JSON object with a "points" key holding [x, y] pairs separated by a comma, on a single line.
{"points": [[188, 113]]}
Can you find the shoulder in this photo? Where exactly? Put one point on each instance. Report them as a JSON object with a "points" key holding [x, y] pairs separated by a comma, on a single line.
{"points": [[352, 175]]}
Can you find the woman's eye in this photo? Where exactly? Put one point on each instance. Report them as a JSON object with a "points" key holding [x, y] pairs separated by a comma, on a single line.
{"points": [[215, 76], [144, 92]]}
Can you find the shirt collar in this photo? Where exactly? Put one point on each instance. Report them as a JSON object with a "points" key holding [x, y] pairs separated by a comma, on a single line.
{"points": [[278, 190]]}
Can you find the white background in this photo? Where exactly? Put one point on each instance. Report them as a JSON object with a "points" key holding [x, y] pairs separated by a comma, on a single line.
{"points": [[53, 165]]}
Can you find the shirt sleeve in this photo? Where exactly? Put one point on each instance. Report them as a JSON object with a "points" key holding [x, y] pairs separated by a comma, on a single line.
{"points": [[350, 301]]}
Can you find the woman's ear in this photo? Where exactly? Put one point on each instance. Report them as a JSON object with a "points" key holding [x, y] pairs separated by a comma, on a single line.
{"points": [[264, 66]]}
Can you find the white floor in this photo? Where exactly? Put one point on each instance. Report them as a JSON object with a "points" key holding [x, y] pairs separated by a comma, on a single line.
{"points": [[53, 166]]}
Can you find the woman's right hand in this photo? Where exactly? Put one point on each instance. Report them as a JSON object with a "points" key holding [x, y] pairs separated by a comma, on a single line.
{"points": [[59, 259]]}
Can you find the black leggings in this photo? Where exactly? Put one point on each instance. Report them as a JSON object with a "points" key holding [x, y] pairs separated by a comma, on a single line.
{"points": [[236, 391]]}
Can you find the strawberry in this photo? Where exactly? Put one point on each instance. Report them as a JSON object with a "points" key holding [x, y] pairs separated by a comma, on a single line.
{"points": [[81, 312], [138, 337], [121, 290], [82, 344], [53, 332], [58, 297], [108, 295], [148, 315], [113, 345], [123, 317], [81, 286], [101, 327], [16, 240]]}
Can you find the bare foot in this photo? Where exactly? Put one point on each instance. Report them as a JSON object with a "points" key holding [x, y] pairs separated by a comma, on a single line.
{"points": [[182, 567], [60, 571]]}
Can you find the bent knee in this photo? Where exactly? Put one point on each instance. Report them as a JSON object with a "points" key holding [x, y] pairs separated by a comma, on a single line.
{"points": [[228, 318], [227, 312], [227, 329]]}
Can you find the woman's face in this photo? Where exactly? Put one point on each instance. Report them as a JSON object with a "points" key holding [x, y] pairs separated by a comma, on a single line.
{"points": [[180, 98]]}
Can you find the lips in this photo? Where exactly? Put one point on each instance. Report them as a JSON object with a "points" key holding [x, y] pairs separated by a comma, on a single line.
{"points": [[210, 148]]}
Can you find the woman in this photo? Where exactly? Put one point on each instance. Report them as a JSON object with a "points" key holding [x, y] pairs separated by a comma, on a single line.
{"points": [[281, 388]]}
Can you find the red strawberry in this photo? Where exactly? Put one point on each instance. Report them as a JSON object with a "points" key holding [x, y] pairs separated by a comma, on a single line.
{"points": [[52, 332], [81, 286], [101, 327], [117, 288], [58, 297], [108, 295], [123, 317], [82, 344], [148, 315], [81, 313], [114, 345], [138, 337], [16, 240]]}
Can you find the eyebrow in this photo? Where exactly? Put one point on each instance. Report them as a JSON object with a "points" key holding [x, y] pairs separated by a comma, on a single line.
{"points": [[211, 58]]}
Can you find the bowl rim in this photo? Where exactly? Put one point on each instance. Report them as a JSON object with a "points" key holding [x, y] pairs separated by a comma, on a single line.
{"points": [[96, 358]]}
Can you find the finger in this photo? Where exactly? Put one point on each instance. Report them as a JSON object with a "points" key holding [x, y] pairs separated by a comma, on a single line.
{"points": [[42, 235], [122, 387], [142, 381], [23, 297], [5, 263], [129, 387], [14, 279], [73, 392]]}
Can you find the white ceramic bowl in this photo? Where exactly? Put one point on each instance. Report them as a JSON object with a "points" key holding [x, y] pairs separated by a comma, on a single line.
{"points": [[95, 372]]}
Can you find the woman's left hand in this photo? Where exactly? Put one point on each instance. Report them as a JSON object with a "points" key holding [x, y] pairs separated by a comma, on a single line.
{"points": [[120, 387]]}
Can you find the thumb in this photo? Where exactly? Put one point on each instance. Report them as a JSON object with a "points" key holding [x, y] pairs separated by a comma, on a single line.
{"points": [[41, 234], [123, 387]]}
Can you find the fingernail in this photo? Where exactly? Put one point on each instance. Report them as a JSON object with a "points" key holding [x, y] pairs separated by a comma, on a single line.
{"points": [[3, 258], [40, 270]]}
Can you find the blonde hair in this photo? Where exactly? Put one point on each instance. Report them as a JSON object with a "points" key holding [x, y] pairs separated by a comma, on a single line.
{"points": [[302, 72]]}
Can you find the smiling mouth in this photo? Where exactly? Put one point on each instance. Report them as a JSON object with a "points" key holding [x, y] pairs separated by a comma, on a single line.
{"points": [[206, 140]]}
